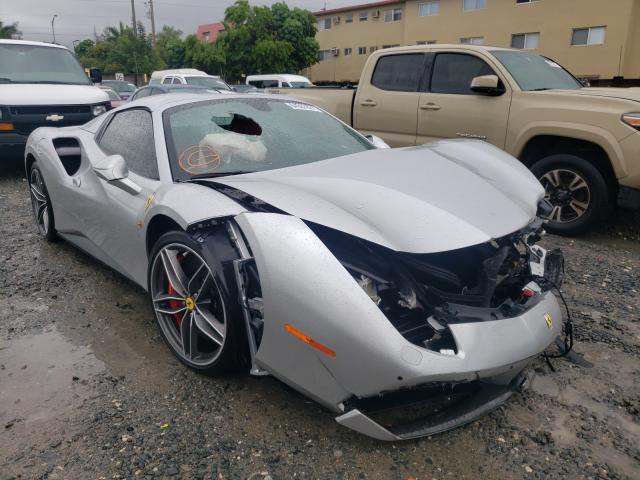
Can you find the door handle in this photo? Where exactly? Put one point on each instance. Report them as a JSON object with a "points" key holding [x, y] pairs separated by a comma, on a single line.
{"points": [[368, 103], [430, 106]]}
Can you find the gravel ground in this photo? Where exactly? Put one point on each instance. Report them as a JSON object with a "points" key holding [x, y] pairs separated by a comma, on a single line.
{"points": [[89, 390]]}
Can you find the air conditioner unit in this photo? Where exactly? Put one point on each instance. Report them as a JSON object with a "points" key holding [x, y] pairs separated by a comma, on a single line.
{"points": [[336, 20], [335, 51], [376, 14]]}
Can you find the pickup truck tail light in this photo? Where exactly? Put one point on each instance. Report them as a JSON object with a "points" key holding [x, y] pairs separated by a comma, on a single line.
{"points": [[632, 119]]}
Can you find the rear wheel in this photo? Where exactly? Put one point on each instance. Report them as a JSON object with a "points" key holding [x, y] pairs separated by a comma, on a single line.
{"points": [[196, 312], [41, 204], [576, 190]]}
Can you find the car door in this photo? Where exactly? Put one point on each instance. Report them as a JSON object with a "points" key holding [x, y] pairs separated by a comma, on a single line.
{"points": [[450, 109], [112, 215], [387, 105]]}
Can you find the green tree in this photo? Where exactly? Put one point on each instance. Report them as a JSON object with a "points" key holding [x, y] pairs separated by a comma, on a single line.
{"points": [[83, 48], [170, 47], [9, 30], [203, 55], [273, 39]]}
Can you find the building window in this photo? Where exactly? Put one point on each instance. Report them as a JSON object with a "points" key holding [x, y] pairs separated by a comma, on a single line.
{"points": [[394, 15], [526, 1], [472, 41], [372, 49], [348, 18], [426, 42], [364, 16], [468, 5], [588, 36], [525, 40], [324, 24], [362, 50], [347, 51], [428, 9], [391, 46], [324, 55]]}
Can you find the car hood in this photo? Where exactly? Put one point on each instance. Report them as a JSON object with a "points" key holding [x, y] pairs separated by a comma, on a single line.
{"points": [[431, 198], [50, 94], [632, 94]]}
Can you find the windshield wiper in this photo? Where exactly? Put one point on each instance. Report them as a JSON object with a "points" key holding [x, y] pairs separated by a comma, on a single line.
{"points": [[540, 89], [216, 175], [54, 82], [6, 80]]}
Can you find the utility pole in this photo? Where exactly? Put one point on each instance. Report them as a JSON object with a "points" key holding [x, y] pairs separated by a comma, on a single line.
{"points": [[153, 24], [53, 30], [133, 19]]}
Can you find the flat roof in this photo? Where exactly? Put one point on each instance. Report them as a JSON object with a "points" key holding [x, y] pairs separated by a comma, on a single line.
{"points": [[36, 44], [357, 7]]}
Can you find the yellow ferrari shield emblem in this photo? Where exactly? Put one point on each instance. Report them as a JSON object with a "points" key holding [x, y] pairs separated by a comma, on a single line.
{"points": [[190, 304], [549, 319]]}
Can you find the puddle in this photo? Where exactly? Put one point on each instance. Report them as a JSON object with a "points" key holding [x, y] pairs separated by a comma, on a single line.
{"points": [[43, 376]]}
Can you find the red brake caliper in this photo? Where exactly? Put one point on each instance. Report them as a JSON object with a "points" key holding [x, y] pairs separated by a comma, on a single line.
{"points": [[175, 304]]}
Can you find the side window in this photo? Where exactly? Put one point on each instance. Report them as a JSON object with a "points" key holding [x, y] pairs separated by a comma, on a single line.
{"points": [[143, 92], [130, 134], [400, 73], [270, 84], [286, 85], [453, 72], [177, 81], [255, 83], [167, 80]]}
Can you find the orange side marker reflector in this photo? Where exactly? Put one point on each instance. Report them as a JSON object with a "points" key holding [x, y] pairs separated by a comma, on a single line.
{"points": [[5, 127], [633, 120], [309, 341]]}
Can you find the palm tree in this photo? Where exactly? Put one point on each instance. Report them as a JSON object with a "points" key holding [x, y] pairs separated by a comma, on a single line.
{"points": [[9, 31]]}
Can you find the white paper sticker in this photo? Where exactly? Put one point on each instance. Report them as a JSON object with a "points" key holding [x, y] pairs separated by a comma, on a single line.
{"points": [[552, 64], [302, 106]]}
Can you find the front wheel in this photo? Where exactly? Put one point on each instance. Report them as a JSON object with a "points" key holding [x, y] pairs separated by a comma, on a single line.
{"points": [[576, 190], [194, 308]]}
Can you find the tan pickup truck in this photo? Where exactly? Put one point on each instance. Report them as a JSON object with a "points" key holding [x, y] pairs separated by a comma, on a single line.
{"points": [[582, 143]]}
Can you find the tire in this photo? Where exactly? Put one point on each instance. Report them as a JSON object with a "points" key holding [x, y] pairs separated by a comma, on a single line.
{"points": [[41, 204], [215, 352], [577, 191]]}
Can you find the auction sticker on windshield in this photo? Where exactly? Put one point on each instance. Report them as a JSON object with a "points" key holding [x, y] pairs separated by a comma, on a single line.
{"points": [[302, 106]]}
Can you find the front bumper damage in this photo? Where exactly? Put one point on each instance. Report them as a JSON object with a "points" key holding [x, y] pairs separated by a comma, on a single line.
{"points": [[384, 380]]}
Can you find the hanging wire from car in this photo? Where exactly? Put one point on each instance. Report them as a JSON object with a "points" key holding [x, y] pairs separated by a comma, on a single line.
{"points": [[568, 328]]}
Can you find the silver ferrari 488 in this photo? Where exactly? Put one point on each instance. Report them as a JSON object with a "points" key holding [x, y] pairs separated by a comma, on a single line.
{"points": [[401, 288]]}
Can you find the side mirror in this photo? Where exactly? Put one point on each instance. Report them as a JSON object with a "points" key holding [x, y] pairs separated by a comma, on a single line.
{"points": [[377, 141], [487, 85], [114, 170], [95, 74]]}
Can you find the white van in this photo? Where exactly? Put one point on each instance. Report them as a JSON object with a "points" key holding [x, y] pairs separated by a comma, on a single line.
{"points": [[278, 81], [43, 85], [188, 76]]}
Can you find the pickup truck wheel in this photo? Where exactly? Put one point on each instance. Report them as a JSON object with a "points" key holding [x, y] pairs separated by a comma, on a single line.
{"points": [[577, 191]]}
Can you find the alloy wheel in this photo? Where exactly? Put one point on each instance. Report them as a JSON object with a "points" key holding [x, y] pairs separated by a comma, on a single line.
{"points": [[39, 201], [568, 193], [188, 304]]}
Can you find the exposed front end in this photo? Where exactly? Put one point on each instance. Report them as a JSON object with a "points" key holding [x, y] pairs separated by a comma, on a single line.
{"points": [[401, 345]]}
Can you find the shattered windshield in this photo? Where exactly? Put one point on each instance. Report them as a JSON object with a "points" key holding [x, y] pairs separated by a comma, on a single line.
{"points": [[242, 135]]}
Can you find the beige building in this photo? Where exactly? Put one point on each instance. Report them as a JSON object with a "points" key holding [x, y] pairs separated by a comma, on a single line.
{"points": [[594, 39]]}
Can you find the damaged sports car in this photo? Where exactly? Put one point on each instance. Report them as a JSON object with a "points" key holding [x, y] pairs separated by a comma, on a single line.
{"points": [[403, 289]]}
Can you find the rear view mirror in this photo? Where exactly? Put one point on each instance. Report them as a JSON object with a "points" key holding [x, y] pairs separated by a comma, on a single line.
{"points": [[114, 170], [377, 141], [487, 85], [95, 74]]}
